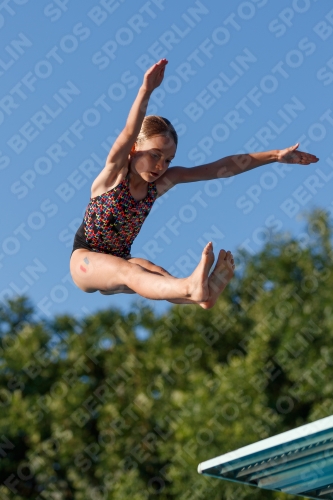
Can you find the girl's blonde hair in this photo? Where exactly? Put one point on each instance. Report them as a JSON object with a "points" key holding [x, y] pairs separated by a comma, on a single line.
{"points": [[156, 125]]}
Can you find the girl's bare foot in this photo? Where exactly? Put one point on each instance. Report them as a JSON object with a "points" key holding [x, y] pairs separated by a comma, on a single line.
{"points": [[220, 277], [198, 290]]}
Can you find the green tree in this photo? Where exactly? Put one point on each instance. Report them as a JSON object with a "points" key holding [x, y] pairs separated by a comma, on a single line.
{"points": [[90, 411]]}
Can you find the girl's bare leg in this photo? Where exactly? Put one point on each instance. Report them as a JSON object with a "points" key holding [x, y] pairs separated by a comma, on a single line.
{"points": [[217, 281], [92, 271]]}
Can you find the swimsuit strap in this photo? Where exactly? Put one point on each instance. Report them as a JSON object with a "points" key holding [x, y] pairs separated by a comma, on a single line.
{"points": [[151, 192]]}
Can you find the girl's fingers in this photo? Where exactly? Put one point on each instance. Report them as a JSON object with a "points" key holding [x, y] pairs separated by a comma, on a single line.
{"points": [[307, 157], [291, 155]]}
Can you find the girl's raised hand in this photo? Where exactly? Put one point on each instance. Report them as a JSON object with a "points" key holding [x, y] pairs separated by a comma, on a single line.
{"points": [[291, 155], [154, 75]]}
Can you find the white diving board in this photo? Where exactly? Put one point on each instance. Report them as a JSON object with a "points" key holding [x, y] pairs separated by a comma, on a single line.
{"points": [[299, 462]]}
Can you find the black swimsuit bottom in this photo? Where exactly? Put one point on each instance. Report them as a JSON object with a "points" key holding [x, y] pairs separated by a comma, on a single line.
{"points": [[80, 239]]}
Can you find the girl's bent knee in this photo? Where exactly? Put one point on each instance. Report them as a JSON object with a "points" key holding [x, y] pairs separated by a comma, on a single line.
{"points": [[83, 287], [87, 289]]}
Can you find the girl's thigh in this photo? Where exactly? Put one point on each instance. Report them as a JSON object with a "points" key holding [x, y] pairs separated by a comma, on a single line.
{"points": [[92, 271], [149, 266]]}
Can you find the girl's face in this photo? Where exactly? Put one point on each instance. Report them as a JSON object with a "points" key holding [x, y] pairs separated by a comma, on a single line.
{"points": [[152, 157]]}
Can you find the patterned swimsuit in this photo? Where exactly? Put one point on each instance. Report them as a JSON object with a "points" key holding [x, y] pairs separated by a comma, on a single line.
{"points": [[113, 220]]}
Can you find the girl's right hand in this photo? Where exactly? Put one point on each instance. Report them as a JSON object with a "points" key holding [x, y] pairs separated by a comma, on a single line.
{"points": [[154, 75]]}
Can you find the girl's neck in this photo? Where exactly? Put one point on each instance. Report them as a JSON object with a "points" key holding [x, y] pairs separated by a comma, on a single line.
{"points": [[135, 180]]}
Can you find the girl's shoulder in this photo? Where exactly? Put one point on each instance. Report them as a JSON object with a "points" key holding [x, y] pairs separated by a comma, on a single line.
{"points": [[104, 183], [166, 181]]}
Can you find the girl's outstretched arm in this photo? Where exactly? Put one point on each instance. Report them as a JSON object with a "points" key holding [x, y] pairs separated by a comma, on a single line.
{"points": [[118, 155], [237, 164]]}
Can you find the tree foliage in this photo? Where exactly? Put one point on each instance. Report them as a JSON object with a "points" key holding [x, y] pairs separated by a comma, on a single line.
{"points": [[89, 410]]}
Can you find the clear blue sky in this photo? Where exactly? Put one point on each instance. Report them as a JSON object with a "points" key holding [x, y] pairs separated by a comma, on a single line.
{"points": [[242, 76]]}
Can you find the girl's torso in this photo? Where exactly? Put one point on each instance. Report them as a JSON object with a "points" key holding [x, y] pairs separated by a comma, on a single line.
{"points": [[114, 218]]}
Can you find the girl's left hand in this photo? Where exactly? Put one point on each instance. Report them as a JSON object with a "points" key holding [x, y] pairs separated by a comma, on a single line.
{"points": [[291, 155]]}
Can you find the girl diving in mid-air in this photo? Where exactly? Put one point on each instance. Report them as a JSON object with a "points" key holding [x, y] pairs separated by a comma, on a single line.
{"points": [[136, 173]]}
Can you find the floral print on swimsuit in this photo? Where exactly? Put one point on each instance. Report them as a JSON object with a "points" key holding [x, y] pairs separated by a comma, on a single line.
{"points": [[113, 219]]}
